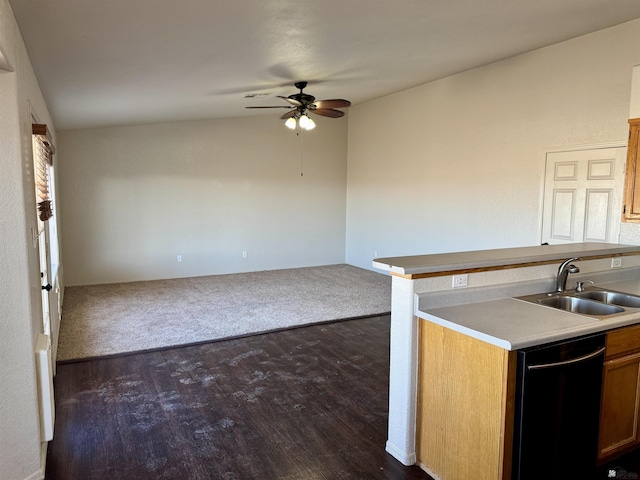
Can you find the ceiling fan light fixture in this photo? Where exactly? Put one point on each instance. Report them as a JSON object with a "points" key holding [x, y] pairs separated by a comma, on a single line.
{"points": [[306, 123], [290, 123]]}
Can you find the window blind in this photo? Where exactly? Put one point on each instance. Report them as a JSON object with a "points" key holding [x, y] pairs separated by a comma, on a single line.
{"points": [[43, 151]]}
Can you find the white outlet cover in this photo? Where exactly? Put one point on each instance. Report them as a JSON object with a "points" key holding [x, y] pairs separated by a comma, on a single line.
{"points": [[460, 280]]}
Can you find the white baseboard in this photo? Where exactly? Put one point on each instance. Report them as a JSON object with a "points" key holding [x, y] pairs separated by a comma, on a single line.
{"points": [[39, 474], [406, 458]]}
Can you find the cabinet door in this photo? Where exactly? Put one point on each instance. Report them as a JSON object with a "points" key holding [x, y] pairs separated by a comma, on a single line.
{"points": [[620, 402], [631, 212]]}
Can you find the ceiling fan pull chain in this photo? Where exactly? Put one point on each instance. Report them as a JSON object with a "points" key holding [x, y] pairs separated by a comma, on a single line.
{"points": [[301, 155]]}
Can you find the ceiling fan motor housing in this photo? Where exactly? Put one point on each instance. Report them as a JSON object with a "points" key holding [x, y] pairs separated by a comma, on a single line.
{"points": [[303, 98]]}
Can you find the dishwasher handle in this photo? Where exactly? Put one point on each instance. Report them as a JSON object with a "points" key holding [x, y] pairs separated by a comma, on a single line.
{"points": [[583, 358]]}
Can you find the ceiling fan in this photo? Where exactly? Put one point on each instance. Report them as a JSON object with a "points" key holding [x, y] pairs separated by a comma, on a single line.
{"points": [[302, 103]]}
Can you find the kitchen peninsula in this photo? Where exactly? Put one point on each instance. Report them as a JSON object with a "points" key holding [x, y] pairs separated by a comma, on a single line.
{"points": [[485, 314]]}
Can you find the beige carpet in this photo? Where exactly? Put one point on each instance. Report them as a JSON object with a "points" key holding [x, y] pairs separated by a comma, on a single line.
{"points": [[102, 320]]}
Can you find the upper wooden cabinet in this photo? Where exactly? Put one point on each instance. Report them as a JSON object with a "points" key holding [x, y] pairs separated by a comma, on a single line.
{"points": [[631, 210]]}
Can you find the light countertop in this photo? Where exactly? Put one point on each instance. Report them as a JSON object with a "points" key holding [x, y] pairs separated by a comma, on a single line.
{"points": [[480, 260], [512, 324]]}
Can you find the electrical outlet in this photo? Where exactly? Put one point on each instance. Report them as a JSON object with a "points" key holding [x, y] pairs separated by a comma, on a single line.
{"points": [[616, 262], [244, 254], [460, 280], [179, 258]]}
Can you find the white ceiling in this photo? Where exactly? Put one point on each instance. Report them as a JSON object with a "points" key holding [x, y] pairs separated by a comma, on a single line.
{"points": [[120, 62]]}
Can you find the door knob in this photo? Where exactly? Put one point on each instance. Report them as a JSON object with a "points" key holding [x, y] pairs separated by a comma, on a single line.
{"points": [[47, 287]]}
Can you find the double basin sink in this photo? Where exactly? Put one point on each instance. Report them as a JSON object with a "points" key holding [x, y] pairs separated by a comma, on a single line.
{"points": [[594, 302]]}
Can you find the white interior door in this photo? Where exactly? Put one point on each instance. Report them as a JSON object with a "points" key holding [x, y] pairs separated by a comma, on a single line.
{"points": [[583, 195]]}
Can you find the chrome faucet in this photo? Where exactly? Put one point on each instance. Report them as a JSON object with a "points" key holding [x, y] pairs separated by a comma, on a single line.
{"points": [[563, 272]]}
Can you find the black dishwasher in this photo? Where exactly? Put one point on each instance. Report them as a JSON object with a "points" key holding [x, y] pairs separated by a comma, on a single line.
{"points": [[557, 409]]}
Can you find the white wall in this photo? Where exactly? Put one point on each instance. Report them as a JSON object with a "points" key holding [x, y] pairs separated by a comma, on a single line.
{"points": [[20, 452], [457, 164], [136, 197]]}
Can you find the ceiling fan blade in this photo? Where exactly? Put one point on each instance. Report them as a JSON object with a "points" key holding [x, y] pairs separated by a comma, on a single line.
{"points": [[270, 107], [328, 112], [290, 114], [292, 101], [333, 103]]}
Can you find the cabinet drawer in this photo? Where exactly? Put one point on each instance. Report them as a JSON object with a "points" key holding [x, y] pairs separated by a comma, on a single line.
{"points": [[623, 341]]}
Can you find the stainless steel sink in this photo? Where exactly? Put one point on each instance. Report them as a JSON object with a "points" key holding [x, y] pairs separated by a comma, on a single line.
{"points": [[580, 305], [595, 302], [613, 298]]}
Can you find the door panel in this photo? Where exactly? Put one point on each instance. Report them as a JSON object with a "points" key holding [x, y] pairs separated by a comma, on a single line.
{"points": [[563, 214], [597, 215]]}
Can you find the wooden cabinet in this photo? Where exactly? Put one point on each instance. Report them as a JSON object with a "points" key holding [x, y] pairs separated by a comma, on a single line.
{"points": [[466, 397], [620, 408], [466, 389], [631, 210]]}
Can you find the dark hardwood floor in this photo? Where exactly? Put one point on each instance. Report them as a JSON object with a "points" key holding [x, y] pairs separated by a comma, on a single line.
{"points": [[306, 403]]}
